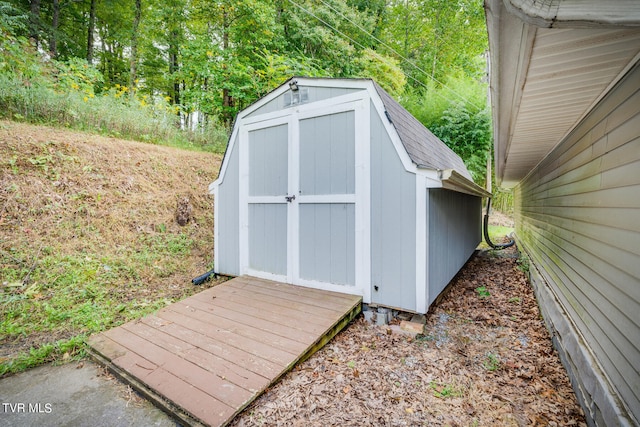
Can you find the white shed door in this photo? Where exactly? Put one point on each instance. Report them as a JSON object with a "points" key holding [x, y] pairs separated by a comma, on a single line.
{"points": [[327, 199], [268, 150], [300, 214]]}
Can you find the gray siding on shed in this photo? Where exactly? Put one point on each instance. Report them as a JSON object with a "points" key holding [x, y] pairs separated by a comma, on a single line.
{"points": [[327, 154], [228, 201], [268, 161], [268, 237], [327, 242], [393, 223], [454, 230], [578, 216], [315, 94]]}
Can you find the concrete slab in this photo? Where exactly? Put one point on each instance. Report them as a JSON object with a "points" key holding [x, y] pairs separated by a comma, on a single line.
{"points": [[75, 394]]}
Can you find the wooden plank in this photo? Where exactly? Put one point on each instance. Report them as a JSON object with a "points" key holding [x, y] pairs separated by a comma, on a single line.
{"points": [[312, 312], [339, 298], [252, 363], [264, 351], [106, 346], [226, 369], [250, 321], [210, 383], [226, 325], [196, 402], [322, 299], [268, 312], [204, 359]]}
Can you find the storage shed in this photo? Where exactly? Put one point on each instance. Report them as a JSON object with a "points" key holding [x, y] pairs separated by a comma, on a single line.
{"points": [[331, 184]]}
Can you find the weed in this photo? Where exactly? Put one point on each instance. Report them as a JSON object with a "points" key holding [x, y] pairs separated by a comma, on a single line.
{"points": [[515, 300], [491, 363], [523, 263], [482, 292], [444, 391], [423, 339]]}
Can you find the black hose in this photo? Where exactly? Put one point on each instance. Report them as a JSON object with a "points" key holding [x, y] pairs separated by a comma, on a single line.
{"points": [[203, 278], [486, 231]]}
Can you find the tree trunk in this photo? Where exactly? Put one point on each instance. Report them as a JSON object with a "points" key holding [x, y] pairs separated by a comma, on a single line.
{"points": [[133, 63], [173, 66], [227, 99], [90, 30], [55, 22], [34, 22]]}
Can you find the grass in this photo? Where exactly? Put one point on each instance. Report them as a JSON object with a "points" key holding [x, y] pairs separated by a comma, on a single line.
{"points": [[491, 362], [88, 238], [444, 391], [482, 292], [104, 114], [496, 234]]}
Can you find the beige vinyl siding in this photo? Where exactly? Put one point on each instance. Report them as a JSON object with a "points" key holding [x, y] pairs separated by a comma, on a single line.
{"points": [[578, 217]]}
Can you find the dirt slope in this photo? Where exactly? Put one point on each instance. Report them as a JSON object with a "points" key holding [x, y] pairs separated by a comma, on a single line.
{"points": [[104, 210]]}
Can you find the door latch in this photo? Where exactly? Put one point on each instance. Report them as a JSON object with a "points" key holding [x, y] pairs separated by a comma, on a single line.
{"points": [[290, 198]]}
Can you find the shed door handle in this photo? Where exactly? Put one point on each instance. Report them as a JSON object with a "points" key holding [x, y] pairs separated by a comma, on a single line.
{"points": [[290, 198]]}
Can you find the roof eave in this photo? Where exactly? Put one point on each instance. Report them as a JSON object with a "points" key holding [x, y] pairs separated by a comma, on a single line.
{"points": [[563, 14], [453, 180], [512, 26]]}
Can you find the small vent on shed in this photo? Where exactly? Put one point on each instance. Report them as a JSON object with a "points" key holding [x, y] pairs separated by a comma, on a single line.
{"points": [[298, 97]]}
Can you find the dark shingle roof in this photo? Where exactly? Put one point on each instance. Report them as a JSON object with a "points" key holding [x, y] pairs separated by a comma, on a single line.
{"points": [[424, 148]]}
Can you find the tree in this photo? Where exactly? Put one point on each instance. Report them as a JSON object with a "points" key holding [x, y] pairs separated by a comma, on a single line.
{"points": [[458, 114], [91, 27], [438, 38], [133, 61]]}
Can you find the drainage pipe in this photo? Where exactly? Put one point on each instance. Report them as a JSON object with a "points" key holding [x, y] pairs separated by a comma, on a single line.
{"points": [[486, 231], [205, 277]]}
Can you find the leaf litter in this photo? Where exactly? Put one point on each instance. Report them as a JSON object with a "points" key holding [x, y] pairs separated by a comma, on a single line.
{"points": [[482, 361]]}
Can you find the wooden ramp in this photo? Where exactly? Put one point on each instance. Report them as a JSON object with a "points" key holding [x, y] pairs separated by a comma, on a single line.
{"points": [[204, 359]]}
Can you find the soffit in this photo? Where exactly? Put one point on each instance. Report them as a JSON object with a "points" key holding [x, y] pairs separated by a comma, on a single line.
{"points": [[569, 70], [546, 77]]}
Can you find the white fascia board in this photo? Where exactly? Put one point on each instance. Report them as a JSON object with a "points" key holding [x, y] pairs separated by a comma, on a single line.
{"points": [[510, 39], [225, 159], [408, 164], [422, 243], [337, 83], [431, 177], [216, 228], [583, 14]]}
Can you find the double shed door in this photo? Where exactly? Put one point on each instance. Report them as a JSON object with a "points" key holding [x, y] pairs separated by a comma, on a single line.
{"points": [[301, 219]]}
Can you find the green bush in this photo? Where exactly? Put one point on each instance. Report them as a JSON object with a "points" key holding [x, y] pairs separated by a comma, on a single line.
{"points": [[458, 114], [72, 94]]}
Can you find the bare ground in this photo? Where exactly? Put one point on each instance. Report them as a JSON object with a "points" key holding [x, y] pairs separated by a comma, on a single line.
{"points": [[485, 359]]}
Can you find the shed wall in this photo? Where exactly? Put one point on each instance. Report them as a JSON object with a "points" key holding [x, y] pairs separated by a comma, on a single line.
{"points": [[228, 231], [454, 232], [393, 223], [577, 217], [314, 94]]}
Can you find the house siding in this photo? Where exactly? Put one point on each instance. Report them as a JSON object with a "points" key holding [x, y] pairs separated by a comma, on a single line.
{"points": [[393, 219], [454, 233], [577, 216]]}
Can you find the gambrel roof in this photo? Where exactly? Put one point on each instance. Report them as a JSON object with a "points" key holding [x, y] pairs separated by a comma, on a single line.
{"points": [[424, 148]]}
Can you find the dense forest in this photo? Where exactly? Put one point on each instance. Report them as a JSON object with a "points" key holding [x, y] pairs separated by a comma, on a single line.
{"points": [[196, 63]]}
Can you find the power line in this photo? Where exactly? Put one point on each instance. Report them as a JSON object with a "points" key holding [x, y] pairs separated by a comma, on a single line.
{"points": [[383, 44], [343, 34]]}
